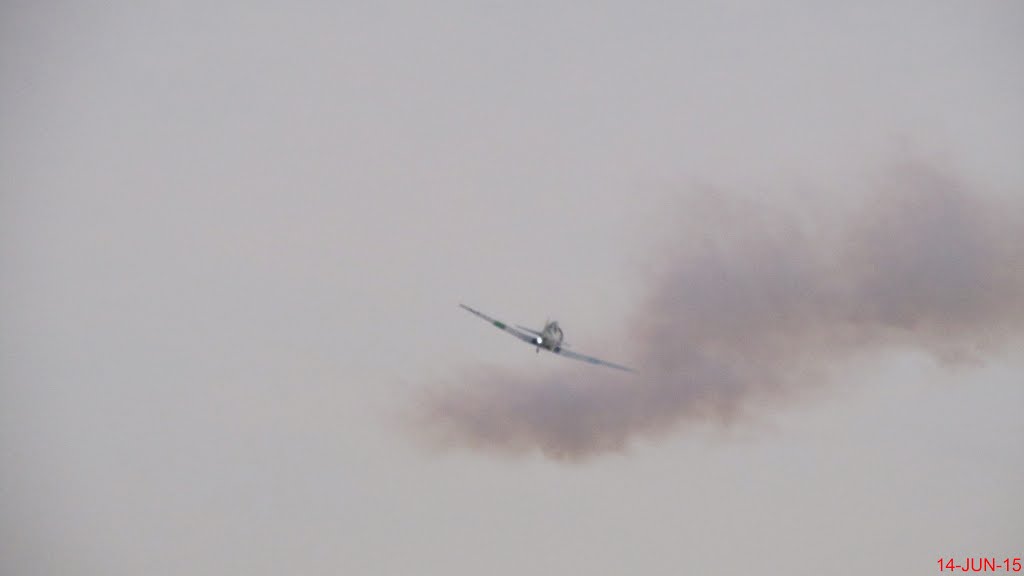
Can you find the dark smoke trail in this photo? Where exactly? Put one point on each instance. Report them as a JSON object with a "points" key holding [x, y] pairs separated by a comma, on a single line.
{"points": [[749, 309]]}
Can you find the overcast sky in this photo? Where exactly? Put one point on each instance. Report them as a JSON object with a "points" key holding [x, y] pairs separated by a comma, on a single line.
{"points": [[233, 238]]}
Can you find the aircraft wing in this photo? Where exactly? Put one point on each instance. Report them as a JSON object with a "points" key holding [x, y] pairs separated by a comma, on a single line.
{"points": [[591, 360], [525, 337], [528, 330]]}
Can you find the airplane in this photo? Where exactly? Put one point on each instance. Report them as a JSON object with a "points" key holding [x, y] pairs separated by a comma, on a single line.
{"points": [[550, 339]]}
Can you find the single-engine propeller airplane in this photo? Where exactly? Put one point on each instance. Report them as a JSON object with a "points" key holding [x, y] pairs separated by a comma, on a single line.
{"points": [[550, 339]]}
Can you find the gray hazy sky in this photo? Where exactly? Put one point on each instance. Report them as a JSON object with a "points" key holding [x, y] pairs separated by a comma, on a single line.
{"points": [[233, 238]]}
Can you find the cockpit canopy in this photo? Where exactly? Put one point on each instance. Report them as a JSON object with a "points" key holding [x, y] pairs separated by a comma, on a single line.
{"points": [[553, 331]]}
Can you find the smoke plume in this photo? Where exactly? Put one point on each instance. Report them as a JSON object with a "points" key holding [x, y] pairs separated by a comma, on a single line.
{"points": [[753, 307]]}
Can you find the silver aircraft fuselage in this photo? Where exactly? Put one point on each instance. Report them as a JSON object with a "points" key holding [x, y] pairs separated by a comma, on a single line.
{"points": [[550, 338]]}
